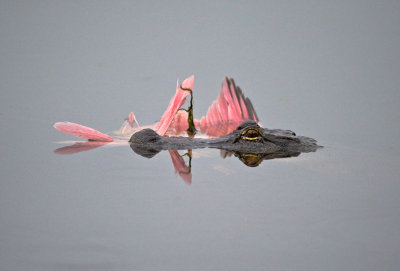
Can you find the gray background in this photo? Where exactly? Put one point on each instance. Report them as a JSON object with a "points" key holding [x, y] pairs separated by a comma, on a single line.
{"points": [[326, 70]]}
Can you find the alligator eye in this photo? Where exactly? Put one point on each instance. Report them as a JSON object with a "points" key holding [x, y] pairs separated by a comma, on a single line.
{"points": [[251, 134]]}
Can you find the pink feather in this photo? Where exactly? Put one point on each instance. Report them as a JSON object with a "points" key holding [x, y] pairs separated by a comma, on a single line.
{"points": [[82, 131], [229, 110]]}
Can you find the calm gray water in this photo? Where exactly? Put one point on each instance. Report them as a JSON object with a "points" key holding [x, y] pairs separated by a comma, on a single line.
{"points": [[329, 71]]}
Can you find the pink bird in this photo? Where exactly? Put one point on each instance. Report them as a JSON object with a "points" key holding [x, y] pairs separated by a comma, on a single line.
{"points": [[229, 110]]}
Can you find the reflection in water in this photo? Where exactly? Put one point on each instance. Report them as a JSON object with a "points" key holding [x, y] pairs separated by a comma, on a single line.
{"points": [[255, 159], [184, 171], [80, 147], [249, 159], [182, 168]]}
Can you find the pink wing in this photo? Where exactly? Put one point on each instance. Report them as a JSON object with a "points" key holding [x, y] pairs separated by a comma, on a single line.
{"points": [[176, 102], [230, 106], [82, 131], [229, 110]]}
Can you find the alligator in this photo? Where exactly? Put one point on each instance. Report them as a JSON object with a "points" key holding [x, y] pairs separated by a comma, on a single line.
{"points": [[249, 142]]}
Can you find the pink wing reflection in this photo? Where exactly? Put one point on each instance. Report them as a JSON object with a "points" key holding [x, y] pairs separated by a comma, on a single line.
{"points": [[80, 147], [180, 166]]}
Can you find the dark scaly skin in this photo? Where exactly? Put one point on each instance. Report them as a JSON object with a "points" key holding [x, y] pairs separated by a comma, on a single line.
{"points": [[249, 142]]}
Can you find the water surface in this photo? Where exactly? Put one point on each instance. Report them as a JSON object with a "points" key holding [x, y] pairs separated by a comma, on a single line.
{"points": [[328, 71]]}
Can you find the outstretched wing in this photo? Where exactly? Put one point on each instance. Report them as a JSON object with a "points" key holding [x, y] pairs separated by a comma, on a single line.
{"points": [[229, 109]]}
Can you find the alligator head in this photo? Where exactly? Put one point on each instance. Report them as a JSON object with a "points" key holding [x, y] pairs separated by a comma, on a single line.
{"points": [[250, 142]]}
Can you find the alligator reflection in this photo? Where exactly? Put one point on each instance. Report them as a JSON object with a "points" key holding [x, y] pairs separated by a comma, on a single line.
{"points": [[249, 159], [255, 159], [184, 170]]}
